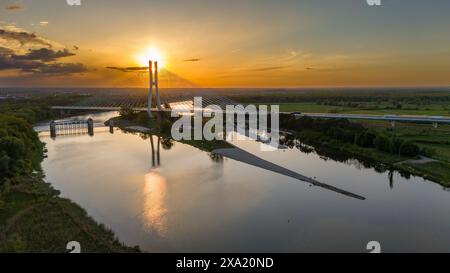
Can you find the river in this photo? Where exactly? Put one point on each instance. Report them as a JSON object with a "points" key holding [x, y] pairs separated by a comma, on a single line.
{"points": [[184, 200]]}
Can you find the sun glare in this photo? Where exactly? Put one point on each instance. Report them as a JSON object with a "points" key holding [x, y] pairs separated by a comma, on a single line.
{"points": [[151, 54]]}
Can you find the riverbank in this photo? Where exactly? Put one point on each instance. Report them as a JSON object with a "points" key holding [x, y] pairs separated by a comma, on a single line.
{"points": [[433, 169], [33, 216]]}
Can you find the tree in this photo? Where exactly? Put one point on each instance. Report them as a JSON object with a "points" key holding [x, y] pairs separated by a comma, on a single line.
{"points": [[127, 111], [395, 144], [13, 146], [4, 165], [382, 143], [365, 139], [408, 148]]}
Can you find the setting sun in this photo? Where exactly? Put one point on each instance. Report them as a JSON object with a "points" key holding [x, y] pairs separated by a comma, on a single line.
{"points": [[151, 54]]}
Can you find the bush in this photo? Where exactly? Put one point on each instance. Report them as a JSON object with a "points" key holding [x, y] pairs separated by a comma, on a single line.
{"points": [[4, 165], [395, 145], [365, 139], [408, 148], [382, 143], [13, 146], [127, 111], [429, 152], [166, 126]]}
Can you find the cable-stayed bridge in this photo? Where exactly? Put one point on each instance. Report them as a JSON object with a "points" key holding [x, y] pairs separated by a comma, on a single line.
{"points": [[183, 101], [180, 99]]}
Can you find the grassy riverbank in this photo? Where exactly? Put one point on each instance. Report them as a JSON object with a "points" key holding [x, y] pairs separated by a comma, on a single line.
{"points": [[33, 218], [426, 154]]}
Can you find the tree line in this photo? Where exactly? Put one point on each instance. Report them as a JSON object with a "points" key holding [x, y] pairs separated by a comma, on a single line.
{"points": [[346, 131], [20, 147]]}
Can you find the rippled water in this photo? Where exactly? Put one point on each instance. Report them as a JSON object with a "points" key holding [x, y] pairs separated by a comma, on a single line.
{"points": [[190, 202]]}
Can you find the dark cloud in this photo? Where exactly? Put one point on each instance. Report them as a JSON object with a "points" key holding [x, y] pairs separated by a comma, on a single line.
{"points": [[269, 68], [40, 61], [63, 68], [23, 37], [129, 69], [44, 55], [6, 62], [191, 60], [5, 51], [14, 7], [42, 68]]}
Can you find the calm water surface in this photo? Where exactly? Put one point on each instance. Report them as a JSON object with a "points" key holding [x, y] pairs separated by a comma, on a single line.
{"points": [[192, 203]]}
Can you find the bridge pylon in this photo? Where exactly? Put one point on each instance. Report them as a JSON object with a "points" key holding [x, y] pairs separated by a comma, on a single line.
{"points": [[153, 80]]}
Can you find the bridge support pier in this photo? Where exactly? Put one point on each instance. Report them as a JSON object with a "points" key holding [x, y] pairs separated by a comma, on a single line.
{"points": [[153, 83], [111, 127], [53, 129], [435, 125], [393, 123], [90, 124]]}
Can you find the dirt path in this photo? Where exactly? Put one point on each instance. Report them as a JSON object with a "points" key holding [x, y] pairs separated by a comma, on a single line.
{"points": [[421, 160]]}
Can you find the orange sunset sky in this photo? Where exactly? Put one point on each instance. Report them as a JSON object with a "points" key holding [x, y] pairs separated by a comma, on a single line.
{"points": [[245, 43]]}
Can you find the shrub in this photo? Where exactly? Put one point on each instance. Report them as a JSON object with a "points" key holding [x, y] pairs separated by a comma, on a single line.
{"points": [[4, 165], [13, 146], [382, 143], [395, 145], [365, 139], [408, 148], [429, 152], [127, 111]]}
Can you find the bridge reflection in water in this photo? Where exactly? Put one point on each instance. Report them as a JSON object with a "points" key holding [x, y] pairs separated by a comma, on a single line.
{"points": [[157, 152]]}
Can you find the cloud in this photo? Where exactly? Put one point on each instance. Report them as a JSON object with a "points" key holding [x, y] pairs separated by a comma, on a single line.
{"points": [[40, 67], [23, 37], [40, 61], [44, 55], [62, 68], [129, 69], [5, 51], [29, 55], [6, 62], [191, 60], [269, 68], [14, 7]]}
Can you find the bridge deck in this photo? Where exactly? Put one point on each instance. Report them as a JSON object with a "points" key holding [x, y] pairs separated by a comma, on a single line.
{"points": [[399, 118]]}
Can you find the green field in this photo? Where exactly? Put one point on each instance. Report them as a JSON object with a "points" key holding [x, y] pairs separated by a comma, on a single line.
{"points": [[434, 144], [311, 107]]}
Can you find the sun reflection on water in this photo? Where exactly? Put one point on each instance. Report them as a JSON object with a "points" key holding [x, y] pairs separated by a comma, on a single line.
{"points": [[155, 210]]}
